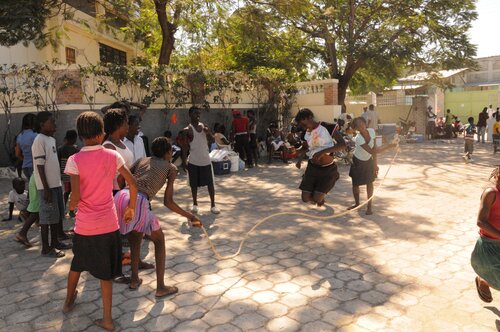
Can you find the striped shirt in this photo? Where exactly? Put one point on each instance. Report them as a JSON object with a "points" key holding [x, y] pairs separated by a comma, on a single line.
{"points": [[151, 173]]}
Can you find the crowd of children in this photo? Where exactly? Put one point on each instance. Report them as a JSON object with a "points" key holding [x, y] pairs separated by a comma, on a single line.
{"points": [[108, 188]]}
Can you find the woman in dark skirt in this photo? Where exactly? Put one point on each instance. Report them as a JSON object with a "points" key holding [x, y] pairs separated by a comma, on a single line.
{"points": [[321, 173], [364, 166], [485, 259]]}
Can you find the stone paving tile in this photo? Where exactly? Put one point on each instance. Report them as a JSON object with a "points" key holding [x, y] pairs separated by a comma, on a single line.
{"points": [[405, 268], [283, 324]]}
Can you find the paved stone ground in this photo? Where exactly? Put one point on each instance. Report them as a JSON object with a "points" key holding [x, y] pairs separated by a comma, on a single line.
{"points": [[405, 268]]}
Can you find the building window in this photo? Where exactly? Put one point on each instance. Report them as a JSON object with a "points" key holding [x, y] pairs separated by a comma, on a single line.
{"points": [[70, 55], [108, 54]]}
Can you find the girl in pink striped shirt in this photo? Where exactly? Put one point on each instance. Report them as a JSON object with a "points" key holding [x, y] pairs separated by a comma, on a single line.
{"points": [[96, 244]]}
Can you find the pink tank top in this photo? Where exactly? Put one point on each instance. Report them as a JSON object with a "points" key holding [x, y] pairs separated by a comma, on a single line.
{"points": [[494, 217]]}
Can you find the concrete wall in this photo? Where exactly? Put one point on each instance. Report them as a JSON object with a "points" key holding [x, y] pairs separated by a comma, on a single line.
{"points": [[154, 123], [388, 114], [321, 97], [323, 113], [470, 103], [489, 71]]}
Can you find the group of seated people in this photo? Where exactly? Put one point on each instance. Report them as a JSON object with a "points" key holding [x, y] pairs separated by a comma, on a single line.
{"points": [[275, 142]]}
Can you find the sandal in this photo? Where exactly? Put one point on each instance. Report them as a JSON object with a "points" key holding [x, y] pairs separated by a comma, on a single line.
{"points": [[122, 279], [53, 253], [139, 283], [24, 241], [145, 266], [483, 295], [63, 246], [170, 290]]}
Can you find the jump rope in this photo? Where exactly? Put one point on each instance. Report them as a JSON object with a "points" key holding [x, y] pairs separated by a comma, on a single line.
{"points": [[333, 216]]}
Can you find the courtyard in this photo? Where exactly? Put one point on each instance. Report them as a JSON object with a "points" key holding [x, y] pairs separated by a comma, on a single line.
{"points": [[404, 268]]}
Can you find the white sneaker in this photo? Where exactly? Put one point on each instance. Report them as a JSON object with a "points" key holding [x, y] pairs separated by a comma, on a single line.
{"points": [[215, 210], [194, 208]]}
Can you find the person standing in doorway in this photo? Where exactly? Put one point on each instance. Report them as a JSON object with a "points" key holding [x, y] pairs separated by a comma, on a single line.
{"points": [[199, 167], [481, 125]]}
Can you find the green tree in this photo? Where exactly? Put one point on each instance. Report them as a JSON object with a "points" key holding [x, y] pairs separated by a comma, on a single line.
{"points": [[371, 34], [252, 38], [159, 23], [25, 20]]}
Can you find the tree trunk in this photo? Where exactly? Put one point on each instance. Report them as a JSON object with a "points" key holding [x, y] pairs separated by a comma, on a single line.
{"points": [[342, 92], [167, 31], [344, 80]]}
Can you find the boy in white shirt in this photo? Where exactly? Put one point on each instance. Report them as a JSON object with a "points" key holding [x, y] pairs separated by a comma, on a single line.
{"points": [[18, 198], [48, 182]]}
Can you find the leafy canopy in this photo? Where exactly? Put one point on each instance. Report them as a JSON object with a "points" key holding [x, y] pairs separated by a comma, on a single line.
{"points": [[253, 38], [371, 34], [24, 21]]}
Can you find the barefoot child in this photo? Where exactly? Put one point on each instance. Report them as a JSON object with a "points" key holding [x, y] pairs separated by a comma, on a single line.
{"points": [[364, 162], [96, 244], [321, 172], [151, 173], [18, 198], [33, 208]]}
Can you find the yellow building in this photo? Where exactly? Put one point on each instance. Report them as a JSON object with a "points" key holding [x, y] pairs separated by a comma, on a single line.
{"points": [[92, 35]]}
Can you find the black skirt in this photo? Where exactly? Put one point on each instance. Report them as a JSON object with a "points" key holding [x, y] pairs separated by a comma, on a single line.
{"points": [[362, 172], [100, 255], [319, 179]]}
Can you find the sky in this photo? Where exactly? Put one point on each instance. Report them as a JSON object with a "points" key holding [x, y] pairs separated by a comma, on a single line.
{"points": [[484, 32]]}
